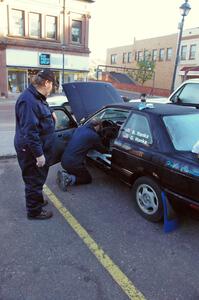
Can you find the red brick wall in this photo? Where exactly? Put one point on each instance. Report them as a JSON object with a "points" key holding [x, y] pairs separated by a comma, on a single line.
{"points": [[142, 89], [3, 77], [137, 88]]}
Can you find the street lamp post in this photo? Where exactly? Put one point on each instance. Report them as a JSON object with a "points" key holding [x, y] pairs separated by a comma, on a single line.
{"points": [[63, 62], [184, 8], [63, 42]]}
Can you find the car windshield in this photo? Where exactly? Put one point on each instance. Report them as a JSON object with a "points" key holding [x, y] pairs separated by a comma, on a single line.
{"points": [[183, 130]]}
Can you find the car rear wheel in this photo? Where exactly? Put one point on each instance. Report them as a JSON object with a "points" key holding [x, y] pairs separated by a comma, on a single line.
{"points": [[148, 201]]}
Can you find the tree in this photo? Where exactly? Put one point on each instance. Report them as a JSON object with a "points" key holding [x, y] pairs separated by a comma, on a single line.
{"points": [[145, 71]]}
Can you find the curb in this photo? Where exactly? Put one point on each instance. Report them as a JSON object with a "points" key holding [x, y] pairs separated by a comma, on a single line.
{"points": [[8, 156]]}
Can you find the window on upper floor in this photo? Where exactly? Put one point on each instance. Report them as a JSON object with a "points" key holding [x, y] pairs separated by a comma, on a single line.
{"points": [[183, 53], [51, 27], [130, 57], [192, 53], [146, 55], [139, 55], [169, 53], [76, 31], [124, 57], [17, 22], [113, 59], [161, 54], [35, 25], [154, 54]]}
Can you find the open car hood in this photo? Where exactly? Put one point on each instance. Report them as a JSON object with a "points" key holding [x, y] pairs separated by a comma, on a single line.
{"points": [[85, 98]]}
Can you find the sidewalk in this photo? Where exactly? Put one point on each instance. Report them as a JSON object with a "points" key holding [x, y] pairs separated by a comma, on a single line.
{"points": [[7, 101], [11, 99], [7, 126]]}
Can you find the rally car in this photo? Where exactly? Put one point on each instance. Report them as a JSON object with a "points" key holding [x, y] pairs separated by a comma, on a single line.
{"points": [[149, 145]]}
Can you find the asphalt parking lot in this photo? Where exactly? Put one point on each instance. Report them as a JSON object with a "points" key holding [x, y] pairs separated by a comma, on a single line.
{"points": [[51, 259], [95, 247]]}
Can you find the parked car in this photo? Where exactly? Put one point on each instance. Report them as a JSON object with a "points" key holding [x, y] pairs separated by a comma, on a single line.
{"points": [[149, 147], [186, 94], [59, 100]]}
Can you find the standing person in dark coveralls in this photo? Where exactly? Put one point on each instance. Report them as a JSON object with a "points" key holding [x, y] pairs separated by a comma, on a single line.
{"points": [[35, 125], [84, 138]]}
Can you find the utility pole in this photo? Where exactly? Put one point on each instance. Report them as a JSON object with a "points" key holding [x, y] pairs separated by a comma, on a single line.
{"points": [[184, 8]]}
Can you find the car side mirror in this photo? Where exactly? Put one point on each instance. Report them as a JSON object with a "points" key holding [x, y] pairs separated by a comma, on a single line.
{"points": [[126, 99], [176, 99]]}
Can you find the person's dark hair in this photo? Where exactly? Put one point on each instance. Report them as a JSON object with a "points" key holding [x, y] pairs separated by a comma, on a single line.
{"points": [[96, 122], [38, 81]]}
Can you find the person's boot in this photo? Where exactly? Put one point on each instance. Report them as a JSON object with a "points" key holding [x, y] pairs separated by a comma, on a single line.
{"points": [[43, 215], [63, 180], [45, 202]]}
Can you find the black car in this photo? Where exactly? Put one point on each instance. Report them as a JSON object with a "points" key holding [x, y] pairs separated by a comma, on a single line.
{"points": [[149, 146]]}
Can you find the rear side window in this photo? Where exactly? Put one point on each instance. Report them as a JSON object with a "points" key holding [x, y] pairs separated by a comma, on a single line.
{"points": [[137, 129]]}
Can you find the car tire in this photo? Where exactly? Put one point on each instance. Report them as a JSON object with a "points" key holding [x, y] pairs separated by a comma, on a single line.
{"points": [[147, 198]]}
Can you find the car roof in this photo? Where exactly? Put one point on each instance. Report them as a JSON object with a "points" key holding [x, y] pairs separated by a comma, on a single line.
{"points": [[158, 108], [193, 80]]}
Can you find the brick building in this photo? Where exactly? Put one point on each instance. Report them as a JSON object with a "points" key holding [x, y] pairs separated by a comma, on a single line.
{"points": [[162, 50], [189, 56], [37, 34]]}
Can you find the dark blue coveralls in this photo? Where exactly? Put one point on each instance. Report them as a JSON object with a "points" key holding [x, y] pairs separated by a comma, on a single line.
{"points": [[83, 139], [33, 137]]}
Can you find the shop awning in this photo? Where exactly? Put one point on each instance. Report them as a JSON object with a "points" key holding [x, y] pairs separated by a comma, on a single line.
{"points": [[189, 71]]}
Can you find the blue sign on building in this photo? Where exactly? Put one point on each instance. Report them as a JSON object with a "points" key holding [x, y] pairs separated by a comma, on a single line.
{"points": [[44, 59]]}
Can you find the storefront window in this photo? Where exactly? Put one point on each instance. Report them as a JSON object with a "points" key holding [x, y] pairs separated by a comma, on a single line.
{"points": [[17, 81], [70, 77]]}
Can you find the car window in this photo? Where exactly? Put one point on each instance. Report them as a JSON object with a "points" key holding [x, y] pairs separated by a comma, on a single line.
{"points": [[116, 115], [188, 94], [62, 121], [183, 130], [137, 129]]}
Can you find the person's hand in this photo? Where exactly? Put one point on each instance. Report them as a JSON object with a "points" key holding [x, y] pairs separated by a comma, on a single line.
{"points": [[40, 161], [54, 116]]}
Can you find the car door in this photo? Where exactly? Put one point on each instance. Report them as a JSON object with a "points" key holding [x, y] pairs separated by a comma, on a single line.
{"points": [[134, 149], [112, 118], [64, 127]]}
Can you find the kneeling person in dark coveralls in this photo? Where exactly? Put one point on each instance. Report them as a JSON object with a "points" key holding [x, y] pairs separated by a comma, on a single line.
{"points": [[84, 138], [35, 125]]}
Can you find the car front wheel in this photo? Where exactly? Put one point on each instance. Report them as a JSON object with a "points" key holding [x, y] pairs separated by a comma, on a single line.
{"points": [[148, 201]]}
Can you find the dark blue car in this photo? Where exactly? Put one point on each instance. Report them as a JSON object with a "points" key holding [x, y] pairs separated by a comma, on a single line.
{"points": [[149, 145]]}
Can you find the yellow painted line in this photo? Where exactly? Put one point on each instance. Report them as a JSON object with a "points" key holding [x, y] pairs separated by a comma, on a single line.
{"points": [[122, 280]]}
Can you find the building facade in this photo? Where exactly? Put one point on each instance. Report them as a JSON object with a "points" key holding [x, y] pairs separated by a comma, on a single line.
{"points": [[188, 67], [161, 50], [37, 34]]}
